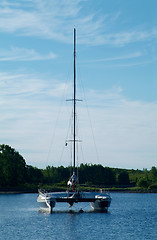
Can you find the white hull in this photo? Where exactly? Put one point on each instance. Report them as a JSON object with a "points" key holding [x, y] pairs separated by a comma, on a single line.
{"points": [[98, 201]]}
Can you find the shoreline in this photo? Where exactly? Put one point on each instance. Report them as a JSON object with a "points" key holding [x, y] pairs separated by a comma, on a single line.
{"points": [[107, 190]]}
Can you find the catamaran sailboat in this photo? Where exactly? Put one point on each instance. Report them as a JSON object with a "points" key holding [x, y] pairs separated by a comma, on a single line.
{"points": [[99, 201]]}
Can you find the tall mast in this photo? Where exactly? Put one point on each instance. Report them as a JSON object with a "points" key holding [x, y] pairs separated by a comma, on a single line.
{"points": [[74, 101]]}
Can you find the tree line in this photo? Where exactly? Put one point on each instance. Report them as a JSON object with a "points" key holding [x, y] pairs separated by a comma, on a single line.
{"points": [[14, 172]]}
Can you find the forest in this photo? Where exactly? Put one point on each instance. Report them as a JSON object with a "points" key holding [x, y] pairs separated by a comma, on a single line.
{"points": [[15, 174]]}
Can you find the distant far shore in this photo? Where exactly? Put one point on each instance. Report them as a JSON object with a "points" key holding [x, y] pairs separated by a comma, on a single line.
{"points": [[120, 190], [17, 192]]}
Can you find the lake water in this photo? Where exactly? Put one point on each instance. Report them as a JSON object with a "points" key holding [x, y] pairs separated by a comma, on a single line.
{"points": [[131, 216]]}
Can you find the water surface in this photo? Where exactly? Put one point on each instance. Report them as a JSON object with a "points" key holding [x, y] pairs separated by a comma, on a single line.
{"points": [[131, 216]]}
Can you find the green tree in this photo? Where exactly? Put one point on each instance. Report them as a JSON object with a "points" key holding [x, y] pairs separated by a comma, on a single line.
{"points": [[96, 174], [153, 174], [143, 182], [34, 175], [123, 178], [12, 167]]}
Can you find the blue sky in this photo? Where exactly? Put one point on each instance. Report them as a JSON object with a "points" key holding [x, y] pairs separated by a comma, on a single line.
{"points": [[116, 74]]}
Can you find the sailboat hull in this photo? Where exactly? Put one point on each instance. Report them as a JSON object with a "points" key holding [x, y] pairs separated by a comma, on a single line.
{"points": [[98, 201], [101, 205]]}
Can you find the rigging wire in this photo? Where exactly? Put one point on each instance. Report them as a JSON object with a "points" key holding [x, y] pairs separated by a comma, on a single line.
{"points": [[66, 144], [80, 82], [77, 169], [90, 121], [54, 132], [57, 119]]}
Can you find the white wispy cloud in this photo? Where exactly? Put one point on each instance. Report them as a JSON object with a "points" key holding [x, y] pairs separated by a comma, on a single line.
{"points": [[45, 19], [23, 54], [22, 85], [126, 37], [117, 58], [55, 20], [137, 58], [124, 131]]}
